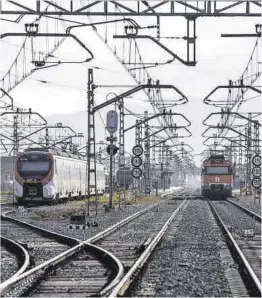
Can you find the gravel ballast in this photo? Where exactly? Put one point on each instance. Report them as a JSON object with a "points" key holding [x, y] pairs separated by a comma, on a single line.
{"points": [[60, 225], [249, 203], [123, 242], [187, 263], [9, 264], [236, 219]]}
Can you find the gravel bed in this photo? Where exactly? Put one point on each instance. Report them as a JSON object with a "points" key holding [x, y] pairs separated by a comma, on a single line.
{"points": [[236, 219], [103, 219], [144, 227], [39, 247], [9, 264], [187, 263], [249, 204]]}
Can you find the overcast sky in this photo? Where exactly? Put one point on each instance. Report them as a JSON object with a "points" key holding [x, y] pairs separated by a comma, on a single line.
{"points": [[219, 59]]}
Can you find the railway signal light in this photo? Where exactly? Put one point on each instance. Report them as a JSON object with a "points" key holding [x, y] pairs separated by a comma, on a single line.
{"points": [[115, 149]]}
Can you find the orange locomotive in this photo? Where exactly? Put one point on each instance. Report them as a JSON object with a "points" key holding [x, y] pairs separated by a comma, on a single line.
{"points": [[217, 178]]}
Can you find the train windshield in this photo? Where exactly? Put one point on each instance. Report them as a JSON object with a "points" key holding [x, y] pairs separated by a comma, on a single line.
{"points": [[34, 165], [217, 171]]}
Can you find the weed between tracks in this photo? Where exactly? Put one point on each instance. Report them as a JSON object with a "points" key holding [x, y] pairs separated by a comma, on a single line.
{"points": [[77, 207], [6, 192]]}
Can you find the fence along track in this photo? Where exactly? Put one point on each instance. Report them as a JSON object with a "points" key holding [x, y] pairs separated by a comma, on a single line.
{"points": [[14, 287], [243, 257]]}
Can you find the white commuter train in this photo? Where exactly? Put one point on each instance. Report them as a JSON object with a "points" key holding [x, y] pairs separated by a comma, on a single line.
{"points": [[46, 175]]}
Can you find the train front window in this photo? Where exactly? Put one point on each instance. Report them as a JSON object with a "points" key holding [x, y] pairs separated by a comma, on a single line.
{"points": [[217, 171], [34, 166]]}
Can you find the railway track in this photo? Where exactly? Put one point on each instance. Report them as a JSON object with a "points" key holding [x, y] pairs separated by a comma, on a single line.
{"points": [[246, 210], [84, 270], [4, 207], [14, 259], [243, 235], [188, 261], [134, 265], [30, 244]]}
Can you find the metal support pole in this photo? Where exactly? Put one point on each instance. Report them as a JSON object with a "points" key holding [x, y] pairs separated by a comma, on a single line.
{"points": [[46, 137], [256, 151], [191, 41], [111, 172], [137, 142], [91, 153], [249, 155], [167, 162], [137, 133], [159, 161], [240, 154], [141, 180], [147, 157], [122, 147], [245, 156], [100, 155], [256, 138], [153, 164], [16, 137], [163, 167], [16, 146]]}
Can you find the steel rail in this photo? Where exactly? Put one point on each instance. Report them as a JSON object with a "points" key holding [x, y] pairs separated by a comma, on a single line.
{"points": [[72, 251], [127, 280], [119, 264], [65, 239], [4, 287], [61, 257], [62, 238], [21, 254], [249, 277], [120, 224], [249, 212]]}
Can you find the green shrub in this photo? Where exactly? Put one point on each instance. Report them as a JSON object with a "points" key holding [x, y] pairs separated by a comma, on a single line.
{"points": [[7, 192]]}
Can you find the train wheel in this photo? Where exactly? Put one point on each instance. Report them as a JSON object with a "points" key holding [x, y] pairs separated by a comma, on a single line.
{"points": [[19, 202], [68, 198]]}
